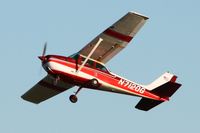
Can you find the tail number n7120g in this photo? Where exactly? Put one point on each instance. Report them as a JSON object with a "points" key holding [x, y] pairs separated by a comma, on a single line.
{"points": [[131, 86]]}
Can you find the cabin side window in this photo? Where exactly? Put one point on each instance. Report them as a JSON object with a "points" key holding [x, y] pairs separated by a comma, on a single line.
{"points": [[101, 67], [90, 63]]}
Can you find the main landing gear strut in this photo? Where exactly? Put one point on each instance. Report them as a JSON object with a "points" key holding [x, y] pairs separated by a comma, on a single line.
{"points": [[93, 83]]}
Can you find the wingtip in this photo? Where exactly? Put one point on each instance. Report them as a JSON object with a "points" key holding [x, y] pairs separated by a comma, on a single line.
{"points": [[133, 12], [28, 100]]}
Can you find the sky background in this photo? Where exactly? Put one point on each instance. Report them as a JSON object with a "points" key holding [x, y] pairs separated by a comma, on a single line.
{"points": [[169, 41]]}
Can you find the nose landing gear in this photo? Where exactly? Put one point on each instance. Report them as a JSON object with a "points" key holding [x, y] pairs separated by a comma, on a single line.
{"points": [[93, 83]]}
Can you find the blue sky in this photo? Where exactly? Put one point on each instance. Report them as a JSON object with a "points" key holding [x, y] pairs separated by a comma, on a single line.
{"points": [[169, 41]]}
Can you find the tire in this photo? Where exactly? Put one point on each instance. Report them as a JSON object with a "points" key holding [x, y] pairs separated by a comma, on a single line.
{"points": [[94, 83], [73, 98]]}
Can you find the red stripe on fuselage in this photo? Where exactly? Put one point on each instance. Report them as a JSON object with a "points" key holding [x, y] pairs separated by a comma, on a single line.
{"points": [[108, 78], [118, 35]]}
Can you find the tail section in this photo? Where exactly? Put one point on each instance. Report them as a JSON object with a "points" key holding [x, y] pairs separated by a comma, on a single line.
{"points": [[166, 77], [164, 87]]}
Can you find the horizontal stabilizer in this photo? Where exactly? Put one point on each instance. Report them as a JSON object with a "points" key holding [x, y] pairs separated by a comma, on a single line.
{"points": [[146, 104], [166, 90]]}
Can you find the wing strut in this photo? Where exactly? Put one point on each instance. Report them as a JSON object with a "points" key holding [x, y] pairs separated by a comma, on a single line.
{"points": [[90, 54]]}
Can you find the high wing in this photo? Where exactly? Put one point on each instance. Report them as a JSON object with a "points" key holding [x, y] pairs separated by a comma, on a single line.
{"points": [[115, 38], [45, 89]]}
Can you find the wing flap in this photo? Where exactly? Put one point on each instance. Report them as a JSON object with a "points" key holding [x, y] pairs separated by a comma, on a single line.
{"points": [[45, 89]]}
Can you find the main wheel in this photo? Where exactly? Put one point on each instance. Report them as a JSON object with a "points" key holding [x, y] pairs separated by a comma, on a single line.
{"points": [[73, 98], [94, 83]]}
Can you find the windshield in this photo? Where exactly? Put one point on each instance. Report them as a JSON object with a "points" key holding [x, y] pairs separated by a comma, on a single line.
{"points": [[74, 56]]}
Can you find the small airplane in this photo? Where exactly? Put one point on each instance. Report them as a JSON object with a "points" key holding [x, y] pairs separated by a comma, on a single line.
{"points": [[86, 69]]}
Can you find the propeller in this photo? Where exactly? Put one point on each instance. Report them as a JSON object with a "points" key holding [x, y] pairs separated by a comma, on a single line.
{"points": [[42, 58], [44, 49]]}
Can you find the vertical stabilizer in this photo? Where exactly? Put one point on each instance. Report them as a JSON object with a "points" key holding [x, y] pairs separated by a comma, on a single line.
{"points": [[166, 77]]}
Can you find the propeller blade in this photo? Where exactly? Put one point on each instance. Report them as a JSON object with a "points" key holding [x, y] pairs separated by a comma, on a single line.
{"points": [[44, 49], [42, 57]]}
